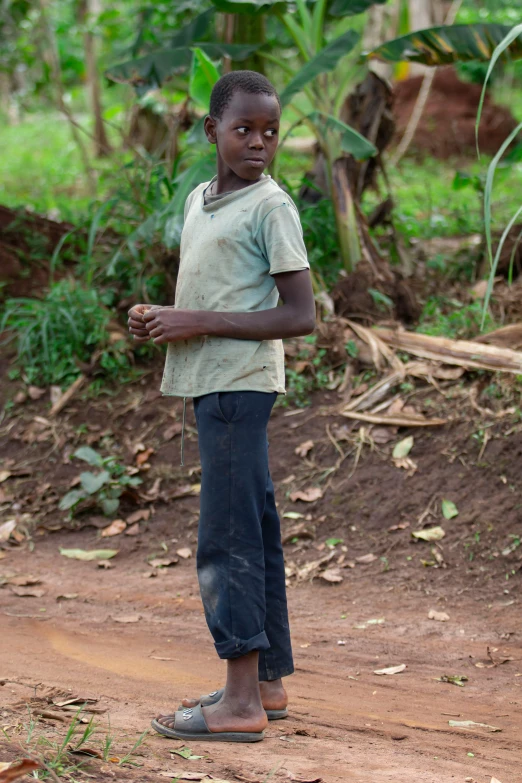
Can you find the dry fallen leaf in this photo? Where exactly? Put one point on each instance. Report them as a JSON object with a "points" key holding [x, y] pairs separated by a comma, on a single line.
{"points": [[494, 780], [331, 575], [441, 617], [303, 449], [137, 516], [14, 771], [4, 475], [35, 392], [309, 495], [172, 430], [163, 562], [24, 581], [430, 534], [365, 559], [28, 592], [133, 530], [127, 618], [143, 457], [400, 526], [114, 529], [184, 552], [470, 724], [6, 529], [67, 597], [392, 669], [406, 463]]}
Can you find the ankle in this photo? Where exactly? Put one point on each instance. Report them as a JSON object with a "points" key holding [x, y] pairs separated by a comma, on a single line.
{"points": [[242, 706]]}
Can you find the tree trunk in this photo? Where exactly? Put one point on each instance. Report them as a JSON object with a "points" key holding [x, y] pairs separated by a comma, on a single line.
{"points": [[249, 29], [91, 10]]}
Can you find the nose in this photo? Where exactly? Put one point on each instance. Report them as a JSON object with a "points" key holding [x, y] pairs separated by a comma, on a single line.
{"points": [[256, 142]]}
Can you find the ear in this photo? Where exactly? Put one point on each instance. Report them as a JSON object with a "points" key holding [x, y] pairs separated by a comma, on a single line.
{"points": [[210, 129]]}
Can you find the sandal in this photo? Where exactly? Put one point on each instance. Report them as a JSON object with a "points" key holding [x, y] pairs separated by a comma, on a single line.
{"points": [[190, 724]]}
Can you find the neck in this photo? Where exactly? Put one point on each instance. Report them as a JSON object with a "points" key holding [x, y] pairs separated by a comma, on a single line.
{"points": [[228, 180]]}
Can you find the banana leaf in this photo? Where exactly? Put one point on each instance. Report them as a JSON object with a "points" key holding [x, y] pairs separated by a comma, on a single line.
{"points": [[450, 44], [326, 60], [147, 73], [352, 141], [352, 7], [203, 76], [194, 30], [153, 70]]}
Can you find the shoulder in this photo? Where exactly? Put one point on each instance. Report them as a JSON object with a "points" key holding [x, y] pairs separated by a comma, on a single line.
{"points": [[193, 196], [271, 197]]}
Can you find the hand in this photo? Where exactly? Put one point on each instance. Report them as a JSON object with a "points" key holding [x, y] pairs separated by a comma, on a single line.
{"points": [[136, 323], [168, 325]]}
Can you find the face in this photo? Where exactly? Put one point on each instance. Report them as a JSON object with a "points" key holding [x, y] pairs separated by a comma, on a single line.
{"points": [[246, 135]]}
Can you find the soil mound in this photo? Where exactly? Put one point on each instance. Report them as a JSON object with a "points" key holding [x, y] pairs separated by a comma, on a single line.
{"points": [[447, 125], [27, 243]]}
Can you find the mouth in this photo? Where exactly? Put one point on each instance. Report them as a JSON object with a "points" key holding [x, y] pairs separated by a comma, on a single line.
{"points": [[258, 163]]}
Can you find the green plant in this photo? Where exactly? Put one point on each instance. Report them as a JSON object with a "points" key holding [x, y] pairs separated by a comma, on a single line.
{"points": [[103, 488], [504, 46], [55, 335], [446, 317]]}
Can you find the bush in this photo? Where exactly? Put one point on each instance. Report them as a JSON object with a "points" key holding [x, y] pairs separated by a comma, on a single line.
{"points": [[57, 334]]}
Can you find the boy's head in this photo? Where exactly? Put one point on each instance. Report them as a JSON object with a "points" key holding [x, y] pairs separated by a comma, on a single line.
{"points": [[244, 122]]}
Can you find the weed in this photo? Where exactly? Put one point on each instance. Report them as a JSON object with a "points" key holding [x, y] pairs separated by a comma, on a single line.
{"points": [[55, 335], [127, 759], [101, 489], [446, 317]]}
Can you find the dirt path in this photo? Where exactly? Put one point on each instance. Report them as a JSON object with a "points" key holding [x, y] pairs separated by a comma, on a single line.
{"points": [[346, 724]]}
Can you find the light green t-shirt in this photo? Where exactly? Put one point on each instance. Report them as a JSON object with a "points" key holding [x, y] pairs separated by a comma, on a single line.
{"points": [[229, 251]]}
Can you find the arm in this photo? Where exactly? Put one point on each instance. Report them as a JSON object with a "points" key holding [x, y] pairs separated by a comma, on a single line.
{"points": [[296, 317]]}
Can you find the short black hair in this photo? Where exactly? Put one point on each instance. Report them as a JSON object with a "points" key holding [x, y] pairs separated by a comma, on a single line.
{"points": [[251, 82]]}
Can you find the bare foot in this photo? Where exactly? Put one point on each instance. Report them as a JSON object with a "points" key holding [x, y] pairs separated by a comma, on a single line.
{"points": [[273, 697], [228, 715]]}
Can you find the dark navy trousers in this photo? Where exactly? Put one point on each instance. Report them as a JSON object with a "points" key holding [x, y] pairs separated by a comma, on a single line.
{"points": [[240, 557]]}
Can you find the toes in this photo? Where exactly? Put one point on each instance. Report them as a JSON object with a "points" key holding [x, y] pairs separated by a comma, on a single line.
{"points": [[190, 702], [168, 721]]}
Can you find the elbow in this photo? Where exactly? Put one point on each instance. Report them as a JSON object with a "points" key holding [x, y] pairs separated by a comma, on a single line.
{"points": [[306, 325], [309, 326]]}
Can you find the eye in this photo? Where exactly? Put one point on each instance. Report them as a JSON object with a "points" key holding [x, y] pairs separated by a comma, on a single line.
{"points": [[271, 133], [242, 130]]}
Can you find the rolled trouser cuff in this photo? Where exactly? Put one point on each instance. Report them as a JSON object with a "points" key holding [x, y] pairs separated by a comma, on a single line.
{"points": [[236, 648], [267, 674]]}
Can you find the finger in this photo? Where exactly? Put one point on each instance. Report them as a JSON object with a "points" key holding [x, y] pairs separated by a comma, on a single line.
{"points": [[149, 315], [156, 332], [140, 333], [141, 339], [159, 340], [136, 324]]}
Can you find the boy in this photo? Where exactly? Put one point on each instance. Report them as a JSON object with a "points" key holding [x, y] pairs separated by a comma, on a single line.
{"points": [[241, 248]]}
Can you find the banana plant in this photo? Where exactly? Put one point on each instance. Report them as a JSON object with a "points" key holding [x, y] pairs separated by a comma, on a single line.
{"points": [[317, 76], [325, 75]]}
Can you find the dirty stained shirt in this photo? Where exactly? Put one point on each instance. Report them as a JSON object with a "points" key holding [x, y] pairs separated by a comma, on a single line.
{"points": [[230, 250]]}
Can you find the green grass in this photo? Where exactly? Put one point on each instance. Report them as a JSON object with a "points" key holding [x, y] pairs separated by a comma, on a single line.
{"points": [[427, 205], [41, 168], [443, 316]]}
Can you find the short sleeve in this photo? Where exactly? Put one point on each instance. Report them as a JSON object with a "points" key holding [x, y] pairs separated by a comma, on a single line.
{"points": [[280, 238]]}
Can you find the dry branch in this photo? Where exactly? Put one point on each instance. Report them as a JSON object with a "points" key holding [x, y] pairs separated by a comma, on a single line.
{"points": [[396, 419], [464, 353]]}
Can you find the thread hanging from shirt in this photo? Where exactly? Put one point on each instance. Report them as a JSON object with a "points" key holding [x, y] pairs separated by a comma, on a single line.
{"points": [[183, 432]]}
